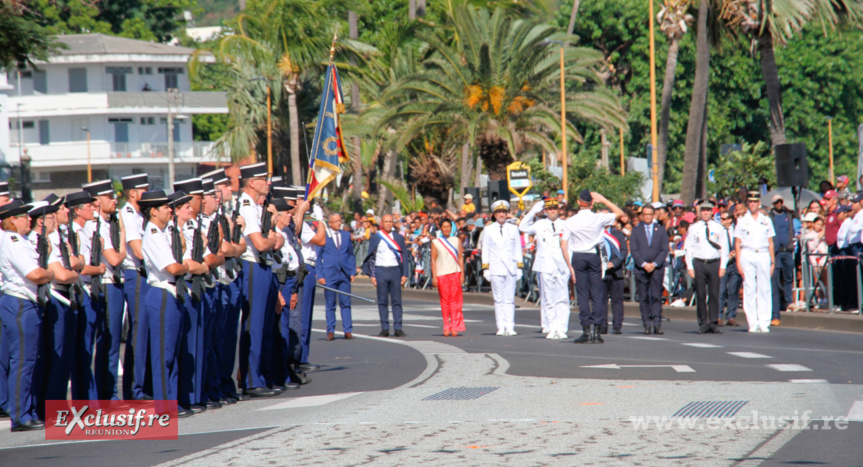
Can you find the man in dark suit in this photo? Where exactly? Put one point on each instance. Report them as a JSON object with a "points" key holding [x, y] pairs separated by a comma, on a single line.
{"points": [[649, 248], [614, 244], [336, 267], [386, 266]]}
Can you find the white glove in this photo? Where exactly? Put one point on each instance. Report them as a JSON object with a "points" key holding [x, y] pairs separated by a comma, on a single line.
{"points": [[518, 274], [317, 213], [486, 275], [538, 207]]}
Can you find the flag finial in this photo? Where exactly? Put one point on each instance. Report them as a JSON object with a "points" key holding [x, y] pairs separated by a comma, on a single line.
{"points": [[333, 46]]}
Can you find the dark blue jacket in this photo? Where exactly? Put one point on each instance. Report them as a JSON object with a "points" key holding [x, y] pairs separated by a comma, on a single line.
{"points": [[374, 242], [656, 252], [333, 262]]}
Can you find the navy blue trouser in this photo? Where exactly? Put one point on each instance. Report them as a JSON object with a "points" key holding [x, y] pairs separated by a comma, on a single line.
{"points": [[211, 344], [4, 365], [165, 314], [57, 353], [342, 283], [21, 332], [729, 291], [136, 371], [613, 289], [649, 287], [308, 304], [108, 343], [288, 338], [589, 288], [191, 353], [389, 286], [83, 381], [258, 318], [783, 282], [229, 299]]}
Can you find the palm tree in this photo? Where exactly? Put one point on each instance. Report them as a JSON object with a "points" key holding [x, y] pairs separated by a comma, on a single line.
{"points": [[673, 21], [692, 180], [495, 87], [768, 22]]}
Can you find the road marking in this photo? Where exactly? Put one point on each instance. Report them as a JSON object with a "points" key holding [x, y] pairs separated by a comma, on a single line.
{"points": [[648, 338], [309, 401], [856, 412], [702, 345], [749, 355], [614, 366], [808, 381], [788, 367]]}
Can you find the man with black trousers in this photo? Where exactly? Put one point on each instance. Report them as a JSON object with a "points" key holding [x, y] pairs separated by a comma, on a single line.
{"points": [[783, 273], [386, 266], [614, 244], [706, 253], [649, 248]]}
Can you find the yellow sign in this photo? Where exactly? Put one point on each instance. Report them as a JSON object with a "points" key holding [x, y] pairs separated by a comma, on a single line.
{"points": [[518, 180]]}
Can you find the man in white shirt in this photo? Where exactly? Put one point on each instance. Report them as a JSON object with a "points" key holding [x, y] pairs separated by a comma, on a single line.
{"points": [[754, 247], [501, 263], [706, 252]]}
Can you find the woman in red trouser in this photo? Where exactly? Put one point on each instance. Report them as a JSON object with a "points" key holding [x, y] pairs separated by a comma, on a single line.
{"points": [[447, 263]]}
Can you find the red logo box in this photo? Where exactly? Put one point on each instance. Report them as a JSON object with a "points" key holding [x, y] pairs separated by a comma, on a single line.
{"points": [[91, 420]]}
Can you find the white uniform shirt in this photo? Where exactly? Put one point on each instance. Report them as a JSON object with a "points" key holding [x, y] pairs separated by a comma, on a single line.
{"points": [[501, 249], [85, 239], [17, 259], [156, 246], [697, 246], [385, 257], [289, 255], [251, 212], [549, 257], [134, 223], [855, 229], [105, 235], [308, 250], [842, 234], [754, 233], [584, 230]]}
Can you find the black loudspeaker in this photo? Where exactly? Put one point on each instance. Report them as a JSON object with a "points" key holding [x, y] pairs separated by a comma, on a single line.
{"points": [[497, 189], [791, 166], [477, 200]]}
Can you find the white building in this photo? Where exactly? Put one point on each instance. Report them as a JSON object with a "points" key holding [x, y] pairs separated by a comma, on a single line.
{"points": [[115, 89]]}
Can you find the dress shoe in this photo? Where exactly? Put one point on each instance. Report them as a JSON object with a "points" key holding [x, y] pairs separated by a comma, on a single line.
{"points": [[714, 330], [384, 333], [658, 330], [603, 329], [511, 332], [455, 334], [228, 401], [500, 332], [585, 336], [732, 322], [775, 322], [349, 336], [290, 386], [446, 332], [213, 405], [616, 331], [330, 336], [309, 367], [145, 397], [299, 376], [765, 329], [562, 335], [184, 412], [552, 335], [399, 333], [239, 397], [3, 414], [198, 408], [259, 392], [29, 425], [646, 330], [278, 389], [597, 334]]}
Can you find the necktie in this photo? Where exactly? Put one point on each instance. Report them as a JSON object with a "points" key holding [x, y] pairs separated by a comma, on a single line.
{"points": [[707, 236], [336, 239], [649, 230]]}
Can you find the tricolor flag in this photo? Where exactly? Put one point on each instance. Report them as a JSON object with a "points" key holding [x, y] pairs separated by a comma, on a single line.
{"points": [[328, 147]]}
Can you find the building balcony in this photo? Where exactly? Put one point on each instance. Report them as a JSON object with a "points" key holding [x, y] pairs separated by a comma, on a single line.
{"points": [[74, 155], [115, 103]]}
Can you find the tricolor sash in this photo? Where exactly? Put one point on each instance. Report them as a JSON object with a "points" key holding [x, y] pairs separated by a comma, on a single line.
{"points": [[391, 244], [449, 248]]}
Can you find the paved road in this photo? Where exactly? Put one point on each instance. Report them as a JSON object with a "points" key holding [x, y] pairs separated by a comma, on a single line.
{"points": [[483, 399]]}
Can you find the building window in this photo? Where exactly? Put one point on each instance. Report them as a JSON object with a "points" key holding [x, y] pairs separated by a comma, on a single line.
{"points": [[145, 70], [40, 82], [26, 74], [148, 121], [77, 80], [121, 129], [171, 81], [44, 132], [118, 76], [28, 125], [40, 176]]}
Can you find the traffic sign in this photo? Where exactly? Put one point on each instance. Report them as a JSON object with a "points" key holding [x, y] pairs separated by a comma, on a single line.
{"points": [[518, 179]]}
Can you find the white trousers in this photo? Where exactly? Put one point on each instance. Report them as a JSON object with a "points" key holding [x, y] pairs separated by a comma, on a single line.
{"points": [[554, 295], [503, 291], [757, 289]]}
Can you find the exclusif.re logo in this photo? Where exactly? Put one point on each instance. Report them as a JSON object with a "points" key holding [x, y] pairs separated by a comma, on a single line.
{"points": [[77, 420]]}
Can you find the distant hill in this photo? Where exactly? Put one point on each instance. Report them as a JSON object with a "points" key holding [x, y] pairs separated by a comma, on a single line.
{"points": [[214, 12]]}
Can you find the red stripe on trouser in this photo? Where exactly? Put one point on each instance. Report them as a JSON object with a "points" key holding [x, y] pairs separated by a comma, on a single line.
{"points": [[449, 289]]}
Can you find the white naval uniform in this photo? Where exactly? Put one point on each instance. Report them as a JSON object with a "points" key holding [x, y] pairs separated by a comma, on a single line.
{"points": [[502, 256], [552, 271], [755, 260]]}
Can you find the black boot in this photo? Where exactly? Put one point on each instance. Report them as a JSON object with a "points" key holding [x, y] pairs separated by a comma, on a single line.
{"points": [[603, 329], [585, 337], [597, 334]]}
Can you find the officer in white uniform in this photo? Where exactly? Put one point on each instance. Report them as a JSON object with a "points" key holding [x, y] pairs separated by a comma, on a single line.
{"points": [[706, 252], [581, 240], [550, 266], [501, 265], [754, 246]]}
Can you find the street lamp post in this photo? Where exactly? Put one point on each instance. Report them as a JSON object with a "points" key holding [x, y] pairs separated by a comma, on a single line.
{"points": [[653, 131], [563, 126], [89, 166], [173, 95], [830, 148]]}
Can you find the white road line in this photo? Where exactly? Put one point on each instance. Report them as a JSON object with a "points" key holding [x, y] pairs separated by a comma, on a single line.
{"points": [[702, 345], [309, 401], [808, 381], [856, 412], [648, 338], [749, 355], [788, 367]]}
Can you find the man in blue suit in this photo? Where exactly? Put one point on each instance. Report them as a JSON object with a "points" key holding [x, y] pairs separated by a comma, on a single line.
{"points": [[336, 268], [386, 266], [649, 248]]}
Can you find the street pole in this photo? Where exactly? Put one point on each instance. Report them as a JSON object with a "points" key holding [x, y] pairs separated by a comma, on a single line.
{"points": [[563, 126], [622, 162], [653, 132], [171, 95], [830, 148], [269, 135], [89, 164]]}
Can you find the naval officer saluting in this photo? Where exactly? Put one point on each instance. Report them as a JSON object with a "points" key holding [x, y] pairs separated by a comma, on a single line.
{"points": [[706, 252], [501, 265]]}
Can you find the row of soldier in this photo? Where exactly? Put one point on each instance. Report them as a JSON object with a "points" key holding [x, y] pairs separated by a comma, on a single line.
{"points": [[192, 280]]}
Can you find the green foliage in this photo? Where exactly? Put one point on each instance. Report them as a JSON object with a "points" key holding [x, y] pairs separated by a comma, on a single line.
{"points": [[22, 40], [401, 192], [584, 173], [209, 127], [542, 179], [742, 168]]}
